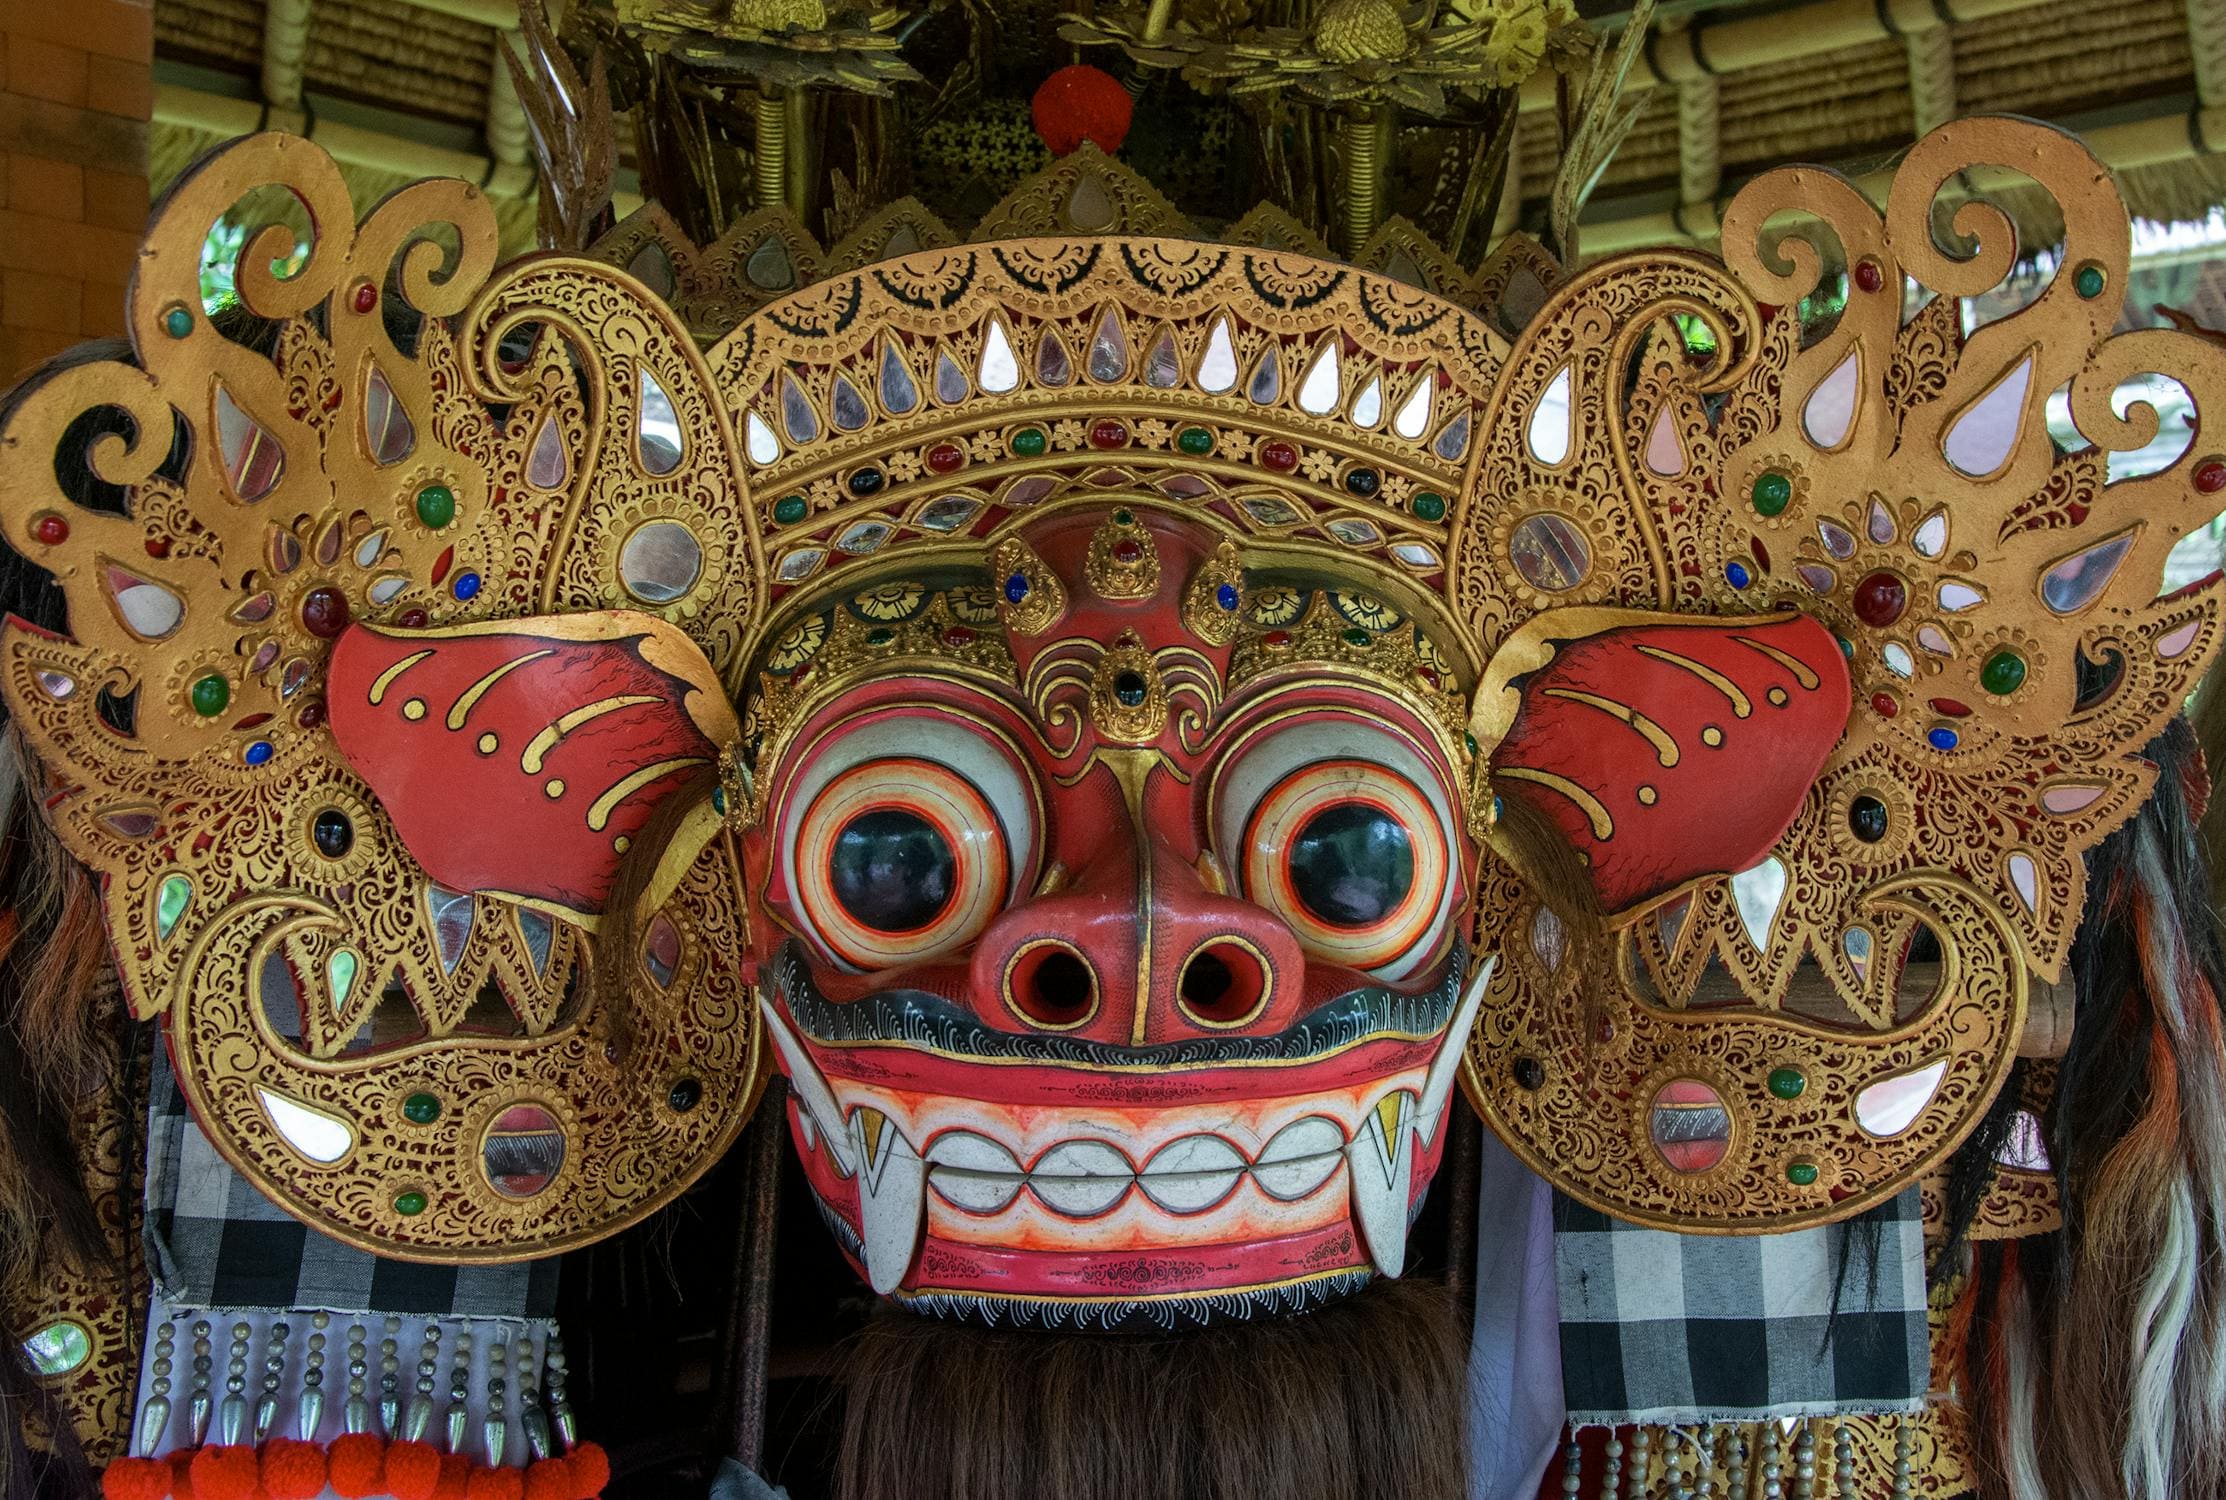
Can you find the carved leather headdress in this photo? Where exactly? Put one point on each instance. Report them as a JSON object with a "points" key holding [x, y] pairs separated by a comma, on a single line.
{"points": [[1076, 695]]}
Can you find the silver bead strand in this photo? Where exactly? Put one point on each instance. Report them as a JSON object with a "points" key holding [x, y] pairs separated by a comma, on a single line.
{"points": [[459, 1392], [1704, 1469], [154, 1418], [390, 1379], [1843, 1461], [1611, 1473], [274, 1375], [531, 1417], [420, 1418], [1572, 1470], [1771, 1488], [1639, 1463], [1804, 1463], [1673, 1467], [231, 1422], [560, 1409], [494, 1428], [1902, 1486], [356, 1415], [311, 1415], [1735, 1474], [197, 1411]]}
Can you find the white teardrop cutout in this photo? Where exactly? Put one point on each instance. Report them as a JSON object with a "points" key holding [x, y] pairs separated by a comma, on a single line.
{"points": [[1551, 433], [1759, 892], [1319, 390], [1413, 417], [1980, 442], [1828, 416]]}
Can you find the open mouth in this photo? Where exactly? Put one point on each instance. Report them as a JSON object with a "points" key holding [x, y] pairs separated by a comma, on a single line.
{"points": [[1045, 1190]]}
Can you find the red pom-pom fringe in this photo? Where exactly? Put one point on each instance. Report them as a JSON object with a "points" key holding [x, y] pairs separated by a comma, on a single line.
{"points": [[226, 1471], [591, 1470], [136, 1479], [413, 1470], [355, 1465], [1082, 103], [293, 1470], [181, 1474], [455, 1477], [496, 1484]]}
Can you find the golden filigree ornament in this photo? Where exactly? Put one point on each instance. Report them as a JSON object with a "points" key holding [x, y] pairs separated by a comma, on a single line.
{"points": [[1123, 562], [1031, 597], [1128, 697], [779, 43], [1213, 598]]}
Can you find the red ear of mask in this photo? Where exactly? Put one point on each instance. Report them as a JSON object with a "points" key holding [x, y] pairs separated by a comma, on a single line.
{"points": [[1666, 750], [520, 757]]}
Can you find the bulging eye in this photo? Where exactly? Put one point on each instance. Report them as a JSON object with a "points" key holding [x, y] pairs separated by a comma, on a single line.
{"points": [[1353, 858], [897, 860]]}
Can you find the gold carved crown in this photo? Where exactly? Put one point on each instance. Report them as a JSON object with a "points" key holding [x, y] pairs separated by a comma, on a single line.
{"points": [[415, 437]]}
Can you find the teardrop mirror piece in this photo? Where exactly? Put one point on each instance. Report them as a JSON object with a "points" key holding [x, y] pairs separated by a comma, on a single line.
{"points": [[1266, 385], [148, 610], [388, 435], [451, 913], [1054, 366], [322, 1138], [1957, 596], [658, 426], [798, 419], [899, 393], [1665, 453], [1000, 369], [1453, 439], [1837, 539], [951, 386], [1089, 206], [770, 267], [549, 464], [1108, 356], [1217, 368], [652, 267], [340, 977], [283, 549], [540, 935], [1857, 944], [846, 405], [329, 542], [1163, 365], [661, 950], [254, 610], [172, 897], [253, 460], [1828, 416], [758, 440], [1552, 430], [1898, 660], [1319, 388], [1891, 1105], [1931, 536], [1758, 893], [1880, 523], [1368, 406], [1413, 417], [2077, 581], [1981, 440], [2025, 880], [370, 550], [58, 1348]]}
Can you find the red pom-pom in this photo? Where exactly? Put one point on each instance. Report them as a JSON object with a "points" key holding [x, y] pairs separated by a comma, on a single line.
{"points": [[136, 1479], [1082, 103], [355, 1465], [413, 1470], [181, 1474], [591, 1470], [549, 1479], [293, 1470], [226, 1471], [455, 1477], [496, 1484]]}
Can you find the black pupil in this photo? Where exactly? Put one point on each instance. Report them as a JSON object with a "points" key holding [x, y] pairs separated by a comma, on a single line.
{"points": [[1352, 864], [1130, 688], [334, 834], [893, 870]]}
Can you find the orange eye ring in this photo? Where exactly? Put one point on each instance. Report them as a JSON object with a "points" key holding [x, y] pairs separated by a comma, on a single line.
{"points": [[1282, 843], [898, 860]]}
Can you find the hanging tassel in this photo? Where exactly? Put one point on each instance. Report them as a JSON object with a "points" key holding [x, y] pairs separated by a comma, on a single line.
{"points": [[136, 1479], [550, 1479], [181, 1475]]}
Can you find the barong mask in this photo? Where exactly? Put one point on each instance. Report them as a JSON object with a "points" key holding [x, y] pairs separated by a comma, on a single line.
{"points": [[1087, 709]]}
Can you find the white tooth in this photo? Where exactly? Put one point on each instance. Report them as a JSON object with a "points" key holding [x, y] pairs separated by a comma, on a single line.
{"points": [[806, 1131], [1081, 1179], [1300, 1158], [973, 1172], [1380, 1166], [892, 1197], [1437, 1088], [811, 1088], [1191, 1175]]}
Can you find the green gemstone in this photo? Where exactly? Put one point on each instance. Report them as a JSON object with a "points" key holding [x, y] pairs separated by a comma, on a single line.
{"points": [[1357, 637], [436, 505], [1029, 442], [177, 322], [1788, 1083], [421, 1109], [1468, 742], [172, 898], [789, 509], [1429, 505], [410, 1204], [1801, 1173], [58, 1348], [2003, 674], [210, 695], [1124, 517], [1773, 493], [880, 637], [340, 976], [1195, 441], [2089, 281]]}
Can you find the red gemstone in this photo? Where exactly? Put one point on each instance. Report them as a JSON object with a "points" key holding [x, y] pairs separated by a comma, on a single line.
{"points": [[1869, 276], [945, 457], [1278, 455], [51, 529], [1880, 599], [1885, 705], [1128, 551], [1107, 433], [958, 635], [312, 714], [411, 619], [324, 612], [367, 296], [1951, 708], [1428, 675], [2210, 476], [158, 546], [1276, 638]]}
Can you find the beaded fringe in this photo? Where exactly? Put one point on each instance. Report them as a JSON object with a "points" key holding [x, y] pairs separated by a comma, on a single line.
{"points": [[1813, 1458]]}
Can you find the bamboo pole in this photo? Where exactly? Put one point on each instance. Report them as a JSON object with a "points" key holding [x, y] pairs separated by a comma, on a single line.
{"points": [[285, 44]]}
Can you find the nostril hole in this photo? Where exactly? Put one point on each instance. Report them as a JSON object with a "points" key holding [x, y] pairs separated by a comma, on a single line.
{"points": [[1048, 984], [1224, 984]]}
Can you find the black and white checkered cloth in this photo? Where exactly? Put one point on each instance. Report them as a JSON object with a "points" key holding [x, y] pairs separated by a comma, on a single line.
{"points": [[1672, 1329], [213, 1241]]}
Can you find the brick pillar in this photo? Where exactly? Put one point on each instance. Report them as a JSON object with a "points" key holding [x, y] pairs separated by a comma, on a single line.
{"points": [[79, 90]]}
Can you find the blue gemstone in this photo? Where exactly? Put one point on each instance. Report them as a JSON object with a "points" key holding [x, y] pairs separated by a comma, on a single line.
{"points": [[719, 801], [1226, 596], [1735, 574], [259, 752], [1016, 589], [1942, 738], [467, 585]]}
